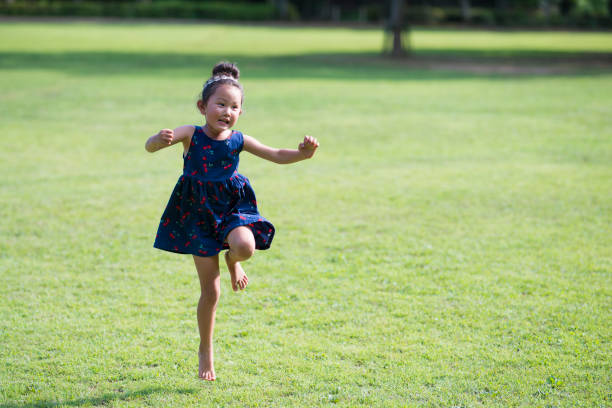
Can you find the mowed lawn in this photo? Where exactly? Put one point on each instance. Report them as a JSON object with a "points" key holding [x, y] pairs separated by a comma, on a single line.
{"points": [[449, 245]]}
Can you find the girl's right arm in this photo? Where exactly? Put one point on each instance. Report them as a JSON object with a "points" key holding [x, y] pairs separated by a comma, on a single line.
{"points": [[168, 137]]}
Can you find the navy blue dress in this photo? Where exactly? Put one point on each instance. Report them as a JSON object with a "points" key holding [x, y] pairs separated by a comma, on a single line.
{"points": [[210, 199]]}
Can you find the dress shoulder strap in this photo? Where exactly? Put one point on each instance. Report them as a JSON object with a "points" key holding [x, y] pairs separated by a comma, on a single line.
{"points": [[238, 138]]}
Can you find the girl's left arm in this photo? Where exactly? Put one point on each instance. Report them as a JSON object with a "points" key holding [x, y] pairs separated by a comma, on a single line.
{"points": [[306, 149]]}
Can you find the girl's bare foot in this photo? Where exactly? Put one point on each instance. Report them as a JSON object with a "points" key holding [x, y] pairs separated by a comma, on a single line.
{"points": [[207, 369], [239, 278]]}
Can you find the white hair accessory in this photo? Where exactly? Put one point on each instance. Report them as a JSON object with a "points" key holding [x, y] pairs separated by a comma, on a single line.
{"points": [[218, 78]]}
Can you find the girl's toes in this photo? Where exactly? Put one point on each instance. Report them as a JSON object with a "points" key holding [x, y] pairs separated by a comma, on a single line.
{"points": [[207, 376]]}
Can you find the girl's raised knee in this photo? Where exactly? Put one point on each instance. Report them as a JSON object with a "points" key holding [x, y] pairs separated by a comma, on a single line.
{"points": [[243, 249], [241, 243]]}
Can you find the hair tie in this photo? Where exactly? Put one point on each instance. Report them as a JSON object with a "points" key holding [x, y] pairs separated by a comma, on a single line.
{"points": [[218, 78]]}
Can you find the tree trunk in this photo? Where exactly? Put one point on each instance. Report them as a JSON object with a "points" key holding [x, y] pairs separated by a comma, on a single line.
{"points": [[335, 13], [466, 11], [397, 27], [545, 8], [501, 5], [283, 8], [565, 6]]}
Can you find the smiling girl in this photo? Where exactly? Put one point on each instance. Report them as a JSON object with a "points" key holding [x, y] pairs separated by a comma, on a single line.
{"points": [[213, 207]]}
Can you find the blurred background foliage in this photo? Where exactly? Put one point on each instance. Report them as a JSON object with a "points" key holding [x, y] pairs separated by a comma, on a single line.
{"points": [[485, 13]]}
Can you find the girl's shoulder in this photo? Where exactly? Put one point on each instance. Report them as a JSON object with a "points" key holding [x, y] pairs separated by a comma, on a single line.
{"points": [[185, 131]]}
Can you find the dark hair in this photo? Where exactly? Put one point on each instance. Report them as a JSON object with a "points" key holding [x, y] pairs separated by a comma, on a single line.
{"points": [[224, 73]]}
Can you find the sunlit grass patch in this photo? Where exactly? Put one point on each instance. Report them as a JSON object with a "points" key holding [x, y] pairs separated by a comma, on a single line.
{"points": [[448, 246]]}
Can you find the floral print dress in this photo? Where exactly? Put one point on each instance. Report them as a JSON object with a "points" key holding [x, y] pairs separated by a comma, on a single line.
{"points": [[210, 199]]}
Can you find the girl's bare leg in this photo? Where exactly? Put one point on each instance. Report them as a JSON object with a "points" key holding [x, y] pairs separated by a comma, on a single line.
{"points": [[241, 247], [208, 272]]}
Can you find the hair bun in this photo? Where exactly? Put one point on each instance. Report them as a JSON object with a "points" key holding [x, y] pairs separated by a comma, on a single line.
{"points": [[226, 68]]}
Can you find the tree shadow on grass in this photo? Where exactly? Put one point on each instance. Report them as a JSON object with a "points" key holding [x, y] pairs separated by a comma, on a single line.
{"points": [[104, 399], [349, 66]]}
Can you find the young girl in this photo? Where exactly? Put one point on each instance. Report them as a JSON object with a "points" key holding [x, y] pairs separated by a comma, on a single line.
{"points": [[213, 207]]}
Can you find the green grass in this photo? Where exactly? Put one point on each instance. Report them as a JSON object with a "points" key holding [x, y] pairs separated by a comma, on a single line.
{"points": [[448, 246]]}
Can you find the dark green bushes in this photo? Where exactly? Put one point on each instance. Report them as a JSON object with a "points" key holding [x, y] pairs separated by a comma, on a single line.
{"points": [[215, 10], [526, 13]]}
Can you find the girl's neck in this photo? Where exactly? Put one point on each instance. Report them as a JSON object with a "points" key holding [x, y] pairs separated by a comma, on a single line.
{"points": [[216, 135]]}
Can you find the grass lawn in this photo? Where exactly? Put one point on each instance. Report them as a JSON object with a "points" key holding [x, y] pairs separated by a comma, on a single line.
{"points": [[448, 246]]}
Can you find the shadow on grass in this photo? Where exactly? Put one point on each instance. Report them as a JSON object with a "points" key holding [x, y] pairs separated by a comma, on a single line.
{"points": [[104, 399], [448, 64]]}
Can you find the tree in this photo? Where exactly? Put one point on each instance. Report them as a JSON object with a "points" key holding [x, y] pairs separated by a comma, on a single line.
{"points": [[283, 8], [466, 11], [544, 7], [397, 28]]}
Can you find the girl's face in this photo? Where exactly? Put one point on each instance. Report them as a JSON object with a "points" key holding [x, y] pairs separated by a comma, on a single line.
{"points": [[222, 109]]}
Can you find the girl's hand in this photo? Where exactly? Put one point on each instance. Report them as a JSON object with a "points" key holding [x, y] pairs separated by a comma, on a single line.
{"points": [[308, 147], [165, 136]]}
